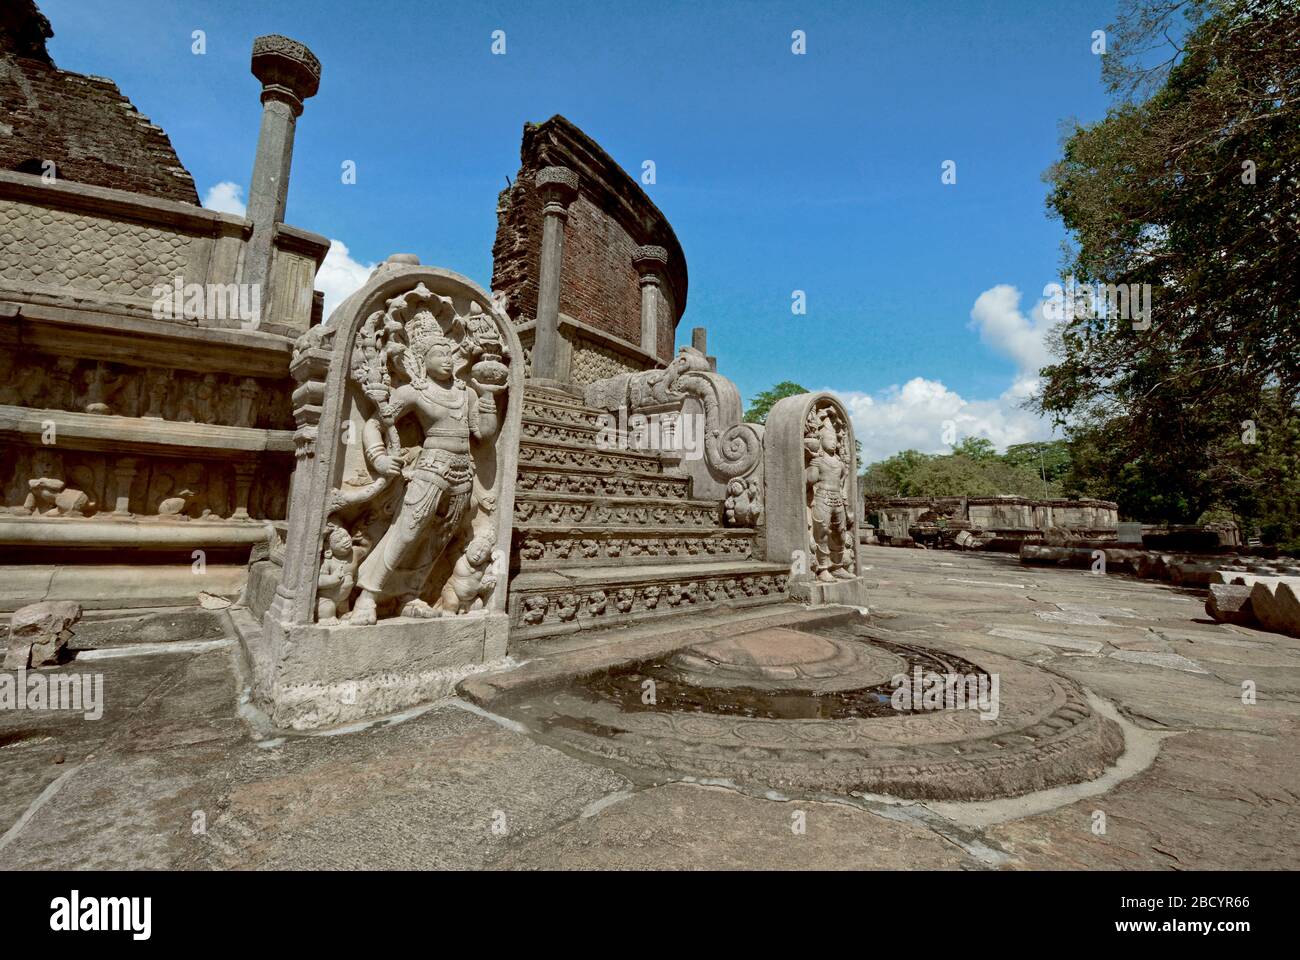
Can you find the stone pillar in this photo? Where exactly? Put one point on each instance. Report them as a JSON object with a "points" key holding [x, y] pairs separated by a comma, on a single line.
{"points": [[243, 484], [700, 342], [650, 262], [290, 73], [123, 475], [558, 186]]}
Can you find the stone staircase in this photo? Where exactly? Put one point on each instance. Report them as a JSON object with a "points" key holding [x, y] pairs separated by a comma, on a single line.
{"points": [[606, 538]]}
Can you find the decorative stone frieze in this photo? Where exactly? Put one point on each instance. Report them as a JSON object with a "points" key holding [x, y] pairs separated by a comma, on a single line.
{"points": [[594, 545]]}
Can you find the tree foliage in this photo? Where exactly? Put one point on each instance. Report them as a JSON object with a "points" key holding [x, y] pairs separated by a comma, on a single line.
{"points": [[1190, 184], [973, 469], [762, 404]]}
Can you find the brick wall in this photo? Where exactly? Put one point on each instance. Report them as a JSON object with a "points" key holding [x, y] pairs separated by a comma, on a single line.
{"points": [[600, 285], [83, 124], [608, 220]]}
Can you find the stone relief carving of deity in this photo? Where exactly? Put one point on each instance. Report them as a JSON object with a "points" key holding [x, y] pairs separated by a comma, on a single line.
{"points": [[830, 514], [426, 379]]}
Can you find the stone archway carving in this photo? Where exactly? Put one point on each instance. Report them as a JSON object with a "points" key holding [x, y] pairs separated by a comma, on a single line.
{"points": [[395, 569], [812, 501]]}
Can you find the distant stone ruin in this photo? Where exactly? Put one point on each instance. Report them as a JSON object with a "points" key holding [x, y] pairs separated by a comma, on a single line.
{"points": [[992, 523]]}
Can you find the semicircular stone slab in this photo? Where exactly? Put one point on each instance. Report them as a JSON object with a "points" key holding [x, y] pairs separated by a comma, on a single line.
{"points": [[1045, 732], [779, 659]]}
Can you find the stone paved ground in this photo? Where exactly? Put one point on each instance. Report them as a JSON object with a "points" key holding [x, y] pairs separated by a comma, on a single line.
{"points": [[173, 754]]}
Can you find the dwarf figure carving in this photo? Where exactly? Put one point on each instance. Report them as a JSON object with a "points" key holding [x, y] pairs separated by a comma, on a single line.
{"points": [[744, 504], [470, 583], [335, 582], [49, 495]]}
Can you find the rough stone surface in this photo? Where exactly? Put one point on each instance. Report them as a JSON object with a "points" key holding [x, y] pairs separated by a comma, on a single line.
{"points": [[425, 792], [38, 632], [1229, 604]]}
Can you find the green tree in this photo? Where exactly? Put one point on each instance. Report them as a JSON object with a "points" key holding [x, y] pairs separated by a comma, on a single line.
{"points": [[1189, 185], [971, 470], [980, 449], [1049, 458], [762, 404]]}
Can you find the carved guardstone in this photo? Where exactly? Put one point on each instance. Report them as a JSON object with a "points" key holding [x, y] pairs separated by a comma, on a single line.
{"points": [[811, 498], [393, 585]]}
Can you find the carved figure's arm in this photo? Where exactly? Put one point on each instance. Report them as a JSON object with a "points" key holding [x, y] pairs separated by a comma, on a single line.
{"points": [[482, 415]]}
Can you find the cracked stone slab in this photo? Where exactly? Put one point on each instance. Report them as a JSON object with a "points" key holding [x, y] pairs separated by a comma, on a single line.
{"points": [[1213, 800], [1051, 640], [682, 826], [1169, 661]]}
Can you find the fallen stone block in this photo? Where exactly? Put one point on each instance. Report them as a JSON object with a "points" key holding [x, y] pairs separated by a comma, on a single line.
{"points": [[1036, 555], [38, 631], [1229, 603], [1275, 605], [1192, 574], [1152, 566], [1250, 579], [1122, 559]]}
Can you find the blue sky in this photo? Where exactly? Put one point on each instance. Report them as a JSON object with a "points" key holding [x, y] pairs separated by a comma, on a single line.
{"points": [[779, 172]]}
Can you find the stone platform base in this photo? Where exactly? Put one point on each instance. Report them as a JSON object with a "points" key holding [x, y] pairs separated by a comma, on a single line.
{"points": [[789, 726], [117, 586], [852, 593], [328, 674]]}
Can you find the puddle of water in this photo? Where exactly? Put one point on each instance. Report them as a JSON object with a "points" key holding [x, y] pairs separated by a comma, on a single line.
{"points": [[625, 688]]}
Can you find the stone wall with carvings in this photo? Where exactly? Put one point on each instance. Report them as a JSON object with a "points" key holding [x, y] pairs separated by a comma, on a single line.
{"points": [[85, 251], [592, 362], [46, 381], [216, 489]]}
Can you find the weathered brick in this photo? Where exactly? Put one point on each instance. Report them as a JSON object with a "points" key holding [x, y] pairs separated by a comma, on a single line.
{"points": [[609, 219], [84, 124]]}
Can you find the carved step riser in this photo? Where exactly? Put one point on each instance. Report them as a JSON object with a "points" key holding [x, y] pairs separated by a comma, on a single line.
{"points": [[579, 419], [566, 547], [555, 611], [544, 482], [560, 457], [605, 512], [540, 431]]}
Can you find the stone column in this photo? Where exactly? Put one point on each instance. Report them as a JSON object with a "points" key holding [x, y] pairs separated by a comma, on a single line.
{"points": [[243, 484], [700, 342], [290, 73], [123, 474], [558, 186], [650, 262]]}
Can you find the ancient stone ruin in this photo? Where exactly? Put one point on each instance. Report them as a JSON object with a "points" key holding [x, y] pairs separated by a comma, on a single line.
{"points": [[145, 401], [995, 523], [441, 482]]}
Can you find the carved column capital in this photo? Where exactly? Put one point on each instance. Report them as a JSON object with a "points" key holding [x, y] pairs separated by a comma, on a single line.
{"points": [[558, 186], [290, 73], [650, 260]]}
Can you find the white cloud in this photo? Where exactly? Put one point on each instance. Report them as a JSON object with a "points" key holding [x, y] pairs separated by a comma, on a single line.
{"points": [[226, 197], [339, 275], [997, 317], [918, 414]]}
